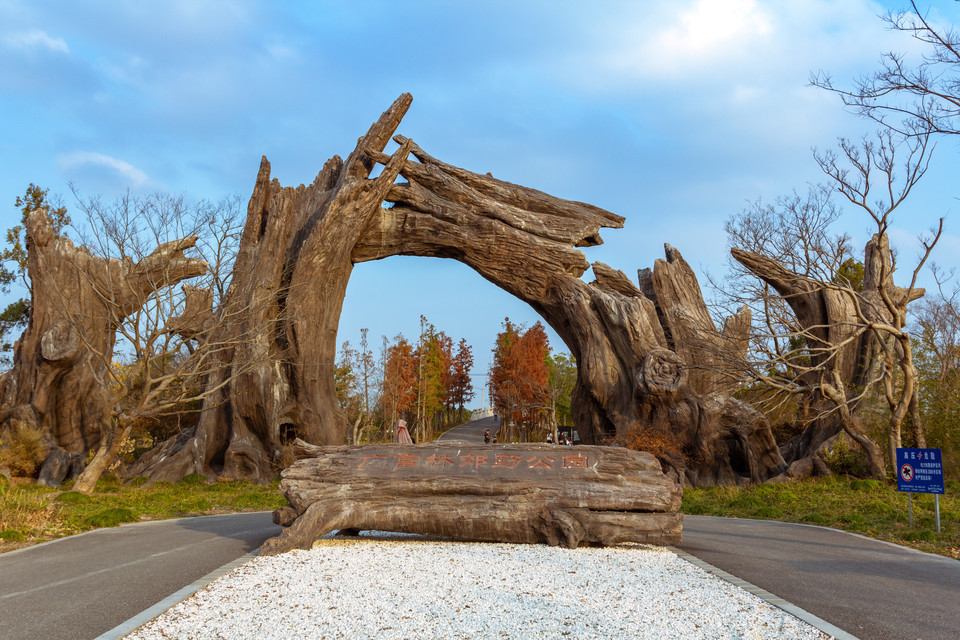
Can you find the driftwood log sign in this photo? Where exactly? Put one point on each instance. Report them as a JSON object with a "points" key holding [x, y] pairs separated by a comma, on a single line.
{"points": [[549, 494]]}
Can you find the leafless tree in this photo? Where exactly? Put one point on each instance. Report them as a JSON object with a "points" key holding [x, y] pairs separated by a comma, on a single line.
{"points": [[910, 98], [167, 339], [796, 230]]}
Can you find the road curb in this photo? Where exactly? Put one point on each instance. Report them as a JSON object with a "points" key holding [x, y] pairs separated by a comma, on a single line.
{"points": [[763, 594], [147, 615]]}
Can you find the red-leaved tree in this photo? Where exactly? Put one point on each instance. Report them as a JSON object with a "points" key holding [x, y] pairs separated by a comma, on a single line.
{"points": [[519, 379]]}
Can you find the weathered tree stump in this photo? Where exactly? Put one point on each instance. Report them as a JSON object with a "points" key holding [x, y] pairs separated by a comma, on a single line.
{"points": [[548, 494], [287, 289], [842, 353], [58, 373]]}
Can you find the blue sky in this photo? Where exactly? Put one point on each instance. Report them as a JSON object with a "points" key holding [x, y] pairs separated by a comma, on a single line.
{"points": [[673, 114]]}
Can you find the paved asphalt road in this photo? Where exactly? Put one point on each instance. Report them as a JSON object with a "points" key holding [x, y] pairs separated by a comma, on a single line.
{"points": [[871, 589], [79, 587], [472, 432]]}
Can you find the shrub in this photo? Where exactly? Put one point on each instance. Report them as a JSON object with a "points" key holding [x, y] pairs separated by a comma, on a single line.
{"points": [[655, 438], [844, 460], [22, 448], [286, 458]]}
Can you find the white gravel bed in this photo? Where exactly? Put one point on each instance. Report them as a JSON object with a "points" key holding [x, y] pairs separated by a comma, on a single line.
{"points": [[389, 586]]}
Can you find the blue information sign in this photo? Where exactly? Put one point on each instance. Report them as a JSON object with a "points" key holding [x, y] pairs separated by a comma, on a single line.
{"points": [[919, 471]]}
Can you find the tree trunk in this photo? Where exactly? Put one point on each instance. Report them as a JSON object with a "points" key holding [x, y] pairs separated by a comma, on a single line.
{"points": [[287, 290], [109, 447]]}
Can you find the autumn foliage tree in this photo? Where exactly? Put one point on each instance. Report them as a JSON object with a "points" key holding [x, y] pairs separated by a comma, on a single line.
{"points": [[399, 381], [519, 379], [460, 388], [426, 384]]}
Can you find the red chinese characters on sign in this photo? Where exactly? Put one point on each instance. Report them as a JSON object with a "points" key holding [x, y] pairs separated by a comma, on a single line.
{"points": [[440, 460], [454, 461], [406, 460], [541, 462], [365, 459], [577, 461], [472, 460], [505, 460]]}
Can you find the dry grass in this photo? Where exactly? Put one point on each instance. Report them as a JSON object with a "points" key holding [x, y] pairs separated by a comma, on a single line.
{"points": [[22, 449], [22, 511]]}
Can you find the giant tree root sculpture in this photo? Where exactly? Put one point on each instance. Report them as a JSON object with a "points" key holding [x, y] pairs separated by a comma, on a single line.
{"points": [[644, 354], [505, 493]]}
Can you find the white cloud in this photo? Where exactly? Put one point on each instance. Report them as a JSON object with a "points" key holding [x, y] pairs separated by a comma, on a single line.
{"points": [[36, 39], [706, 34], [706, 45], [126, 170]]}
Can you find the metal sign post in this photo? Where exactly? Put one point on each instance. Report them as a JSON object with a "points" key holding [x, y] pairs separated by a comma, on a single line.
{"points": [[920, 471], [936, 502]]}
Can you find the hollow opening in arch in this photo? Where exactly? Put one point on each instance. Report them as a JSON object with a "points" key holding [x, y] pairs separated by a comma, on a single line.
{"points": [[388, 297], [288, 433]]}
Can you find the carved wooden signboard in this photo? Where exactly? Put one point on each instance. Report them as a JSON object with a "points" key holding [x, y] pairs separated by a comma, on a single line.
{"points": [[521, 493]]}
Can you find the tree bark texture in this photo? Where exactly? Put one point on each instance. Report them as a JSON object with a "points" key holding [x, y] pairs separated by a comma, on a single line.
{"points": [[505, 493], [287, 290], [57, 378], [644, 353]]}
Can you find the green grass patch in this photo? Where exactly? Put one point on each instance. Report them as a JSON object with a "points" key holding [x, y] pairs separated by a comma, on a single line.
{"points": [[111, 517], [35, 514], [73, 497], [869, 507]]}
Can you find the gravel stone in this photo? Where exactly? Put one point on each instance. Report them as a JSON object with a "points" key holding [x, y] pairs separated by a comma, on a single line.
{"points": [[394, 586]]}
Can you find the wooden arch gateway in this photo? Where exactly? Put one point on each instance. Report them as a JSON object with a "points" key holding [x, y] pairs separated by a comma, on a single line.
{"points": [[647, 352]]}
